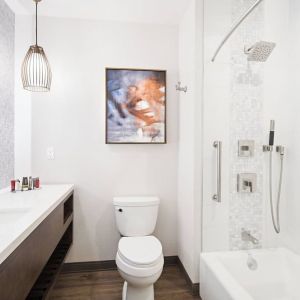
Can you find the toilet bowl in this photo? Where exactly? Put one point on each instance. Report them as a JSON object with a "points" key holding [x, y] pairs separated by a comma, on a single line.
{"points": [[139, 258], [140, 263]]}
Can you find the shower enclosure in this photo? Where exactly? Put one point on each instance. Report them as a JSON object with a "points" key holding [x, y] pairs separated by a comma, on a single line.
{"points": [[240, 99]]}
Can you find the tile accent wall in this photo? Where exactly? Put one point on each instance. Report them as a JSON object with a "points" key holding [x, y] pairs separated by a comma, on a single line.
{"points": [[7, 36], [246, 115]]}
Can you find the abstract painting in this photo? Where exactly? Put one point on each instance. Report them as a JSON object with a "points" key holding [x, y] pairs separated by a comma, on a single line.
{"points": [[135, 106]]}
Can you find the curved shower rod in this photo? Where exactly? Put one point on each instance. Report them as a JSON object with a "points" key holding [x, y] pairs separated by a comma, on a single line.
{"points": [[234, 27]]}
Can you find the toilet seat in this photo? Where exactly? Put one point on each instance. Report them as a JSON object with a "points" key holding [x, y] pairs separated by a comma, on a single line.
{"points": [[140, 256], [140, 251]]}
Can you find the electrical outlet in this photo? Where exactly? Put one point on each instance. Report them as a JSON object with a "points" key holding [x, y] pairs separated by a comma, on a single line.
{"points": [[50, 153]]}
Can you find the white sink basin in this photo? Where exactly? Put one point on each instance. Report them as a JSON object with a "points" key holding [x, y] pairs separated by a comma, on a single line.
{"points": [[12, 215]]}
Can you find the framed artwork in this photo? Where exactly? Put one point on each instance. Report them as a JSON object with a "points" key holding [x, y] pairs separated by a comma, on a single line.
{"points": [[135, 106]]}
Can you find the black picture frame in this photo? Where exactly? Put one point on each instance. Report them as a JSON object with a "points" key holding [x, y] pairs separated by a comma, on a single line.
{"points": [[163, 73]]}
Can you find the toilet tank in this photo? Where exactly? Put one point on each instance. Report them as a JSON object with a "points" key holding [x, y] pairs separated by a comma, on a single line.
{"points": [[136, 216]]}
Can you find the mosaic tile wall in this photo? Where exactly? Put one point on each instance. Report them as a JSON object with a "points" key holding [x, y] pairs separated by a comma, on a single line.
{"points": [[246, 210], [7, 36]]}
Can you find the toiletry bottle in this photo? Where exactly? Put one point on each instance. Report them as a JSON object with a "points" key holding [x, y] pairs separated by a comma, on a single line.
{"points": [[30, 183], [18, 185], [25, 184], [13, 185], [37, 183]]}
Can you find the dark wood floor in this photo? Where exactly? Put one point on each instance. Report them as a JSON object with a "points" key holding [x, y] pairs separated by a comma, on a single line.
{"points": [[107, 285]]}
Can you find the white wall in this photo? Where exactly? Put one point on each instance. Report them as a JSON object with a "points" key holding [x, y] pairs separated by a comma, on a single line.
{"points": [[190, 139], [282, 104], [7, 59], [23, 39], [71, 118], [291, 132]]}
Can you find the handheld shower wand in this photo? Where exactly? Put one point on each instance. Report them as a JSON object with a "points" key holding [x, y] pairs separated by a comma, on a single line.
{"points": [[272, 133], [280, 150]]}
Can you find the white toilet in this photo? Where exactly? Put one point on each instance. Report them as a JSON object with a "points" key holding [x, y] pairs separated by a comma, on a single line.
{"points": [[140, 258]]}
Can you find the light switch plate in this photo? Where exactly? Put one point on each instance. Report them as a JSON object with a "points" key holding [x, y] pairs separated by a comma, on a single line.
{"points": [[50, 153], [246, 148], [247, 183]]}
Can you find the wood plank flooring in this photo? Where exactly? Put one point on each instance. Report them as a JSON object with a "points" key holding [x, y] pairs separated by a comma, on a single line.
{"points": [[107, 285]]}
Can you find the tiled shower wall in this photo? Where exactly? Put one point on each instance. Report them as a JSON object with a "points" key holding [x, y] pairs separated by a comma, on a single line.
{"points": [[246, 117], [7, 35]]}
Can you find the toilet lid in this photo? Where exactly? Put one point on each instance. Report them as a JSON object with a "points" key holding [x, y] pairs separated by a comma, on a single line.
{"points": [[146, 250]]}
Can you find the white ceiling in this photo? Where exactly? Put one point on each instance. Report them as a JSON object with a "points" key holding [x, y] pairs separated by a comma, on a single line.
{"points": [[140, 11]]}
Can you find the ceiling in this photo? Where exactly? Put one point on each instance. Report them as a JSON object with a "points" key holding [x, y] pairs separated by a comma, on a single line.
{"points": [[140, 11]]}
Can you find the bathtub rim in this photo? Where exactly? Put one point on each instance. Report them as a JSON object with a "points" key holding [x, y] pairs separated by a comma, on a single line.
{"points": [[223, 276], [212, 261]]}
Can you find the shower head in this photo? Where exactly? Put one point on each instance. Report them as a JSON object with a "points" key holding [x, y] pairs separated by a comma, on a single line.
{"points": [[260, 51]]}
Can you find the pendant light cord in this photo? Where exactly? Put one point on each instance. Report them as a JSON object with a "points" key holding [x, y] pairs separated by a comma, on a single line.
{"points": [[36, 31]]}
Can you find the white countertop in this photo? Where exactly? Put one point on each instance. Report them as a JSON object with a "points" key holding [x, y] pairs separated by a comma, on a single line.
{"points": [[22, 212]]}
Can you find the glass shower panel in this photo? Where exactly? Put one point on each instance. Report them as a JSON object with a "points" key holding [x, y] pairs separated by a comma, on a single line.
{"points": [[233, 114]]}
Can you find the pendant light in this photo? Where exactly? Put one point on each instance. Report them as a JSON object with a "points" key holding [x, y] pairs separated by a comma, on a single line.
{"points": [[36, 72]]}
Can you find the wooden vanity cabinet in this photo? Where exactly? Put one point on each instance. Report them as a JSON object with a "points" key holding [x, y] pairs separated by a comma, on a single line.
{"points": [[30, 271]]}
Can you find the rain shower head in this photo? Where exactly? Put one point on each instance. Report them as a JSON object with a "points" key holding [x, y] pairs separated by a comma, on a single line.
{"points": [[260, 51]]}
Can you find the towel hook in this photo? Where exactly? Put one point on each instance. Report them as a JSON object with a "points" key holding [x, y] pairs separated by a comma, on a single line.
{"points": [[180, 88]]}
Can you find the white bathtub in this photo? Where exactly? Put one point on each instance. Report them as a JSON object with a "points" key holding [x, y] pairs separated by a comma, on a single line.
{"points": [[226, 276]]}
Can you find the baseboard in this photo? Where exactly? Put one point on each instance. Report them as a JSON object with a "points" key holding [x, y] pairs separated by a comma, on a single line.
{"points": [[170, 261], [195, 287], [93, 266], [89, 266]]}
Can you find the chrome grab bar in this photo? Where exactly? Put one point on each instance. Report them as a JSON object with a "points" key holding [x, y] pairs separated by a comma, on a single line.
{"points": [[217, 197]]}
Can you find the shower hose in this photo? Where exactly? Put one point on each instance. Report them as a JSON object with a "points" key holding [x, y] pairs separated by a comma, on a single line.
{"points": [[275, 219]]}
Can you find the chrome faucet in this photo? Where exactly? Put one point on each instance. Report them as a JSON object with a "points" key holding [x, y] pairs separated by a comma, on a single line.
{"points": [[248, 237]]}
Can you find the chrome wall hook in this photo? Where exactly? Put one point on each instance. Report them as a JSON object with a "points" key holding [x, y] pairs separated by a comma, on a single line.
{"points": [[180, 88]]}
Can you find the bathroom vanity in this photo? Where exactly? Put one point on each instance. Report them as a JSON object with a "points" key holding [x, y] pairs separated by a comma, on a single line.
{"points": [[36, 232]]}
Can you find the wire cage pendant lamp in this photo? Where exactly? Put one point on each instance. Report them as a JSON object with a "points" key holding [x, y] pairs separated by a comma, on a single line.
{"points": [[36, 71]]}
